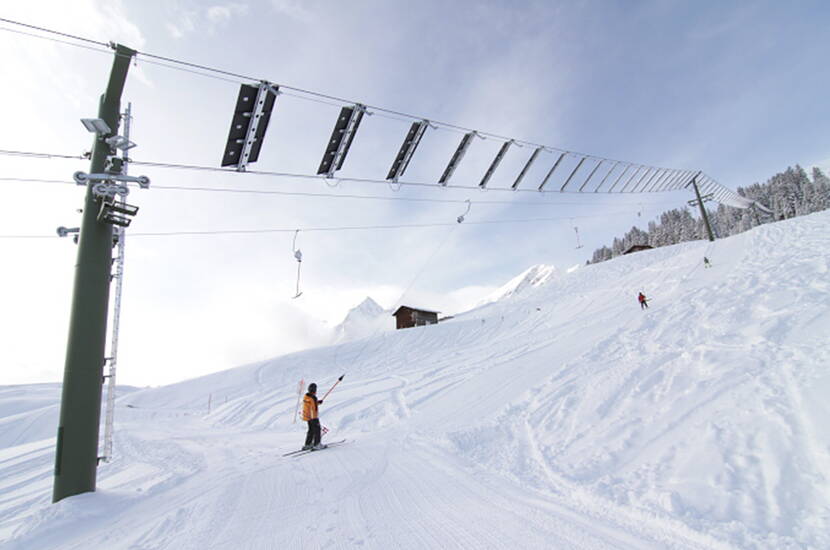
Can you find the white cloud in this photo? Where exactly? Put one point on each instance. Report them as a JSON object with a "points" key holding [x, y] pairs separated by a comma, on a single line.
{"points": [[223, 13], [174, 30], [292, 8]]}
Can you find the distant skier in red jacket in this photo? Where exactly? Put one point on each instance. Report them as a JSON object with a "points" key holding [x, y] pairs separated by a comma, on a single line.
{"points": [[643, 301]]}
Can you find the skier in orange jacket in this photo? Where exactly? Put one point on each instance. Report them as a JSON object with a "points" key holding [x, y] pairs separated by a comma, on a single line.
{"points": [[643, 301], [310, 403]]}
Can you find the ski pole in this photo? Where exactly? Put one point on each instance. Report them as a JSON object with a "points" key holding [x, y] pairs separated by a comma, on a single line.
{"points": [[331, 388], [300, 387]]}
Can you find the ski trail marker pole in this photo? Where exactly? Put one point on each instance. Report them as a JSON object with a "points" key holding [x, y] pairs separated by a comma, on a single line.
{"points": [[331, 388], [299, 394]]}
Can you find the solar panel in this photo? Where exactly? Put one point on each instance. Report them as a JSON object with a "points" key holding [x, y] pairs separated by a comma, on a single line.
{"points": [[410, 143], [550, 172], [456, 158], [591, 175], [575, 170], [495, 164], [345, 128], [614, 167], [526, 167], [248, 124]]}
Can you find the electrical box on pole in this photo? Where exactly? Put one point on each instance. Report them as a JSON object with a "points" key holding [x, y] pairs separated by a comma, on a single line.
{"points": [[76, 455]]}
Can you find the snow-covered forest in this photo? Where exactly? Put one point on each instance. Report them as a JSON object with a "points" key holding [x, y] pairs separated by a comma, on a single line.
{"points": [[787, 194]]}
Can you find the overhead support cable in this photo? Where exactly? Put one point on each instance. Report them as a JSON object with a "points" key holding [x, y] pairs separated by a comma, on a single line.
{"points": [[526, 168], [591, 175], [573, 173], [551, 171], [495, 164], [456, 158], [601, 183], [306, 94]]}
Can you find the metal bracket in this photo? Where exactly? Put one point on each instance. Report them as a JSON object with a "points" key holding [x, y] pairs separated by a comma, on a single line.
{"points": [[108, 191], [704, 198], [82, 178], [255, 116], [119, 142], [65, 231]]}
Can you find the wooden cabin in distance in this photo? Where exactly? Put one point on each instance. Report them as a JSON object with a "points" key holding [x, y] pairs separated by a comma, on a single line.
{"points": [[406, 317], [637, 248]]}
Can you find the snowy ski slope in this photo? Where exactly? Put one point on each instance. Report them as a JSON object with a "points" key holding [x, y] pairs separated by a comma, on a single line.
{"points": [[559, 417]]}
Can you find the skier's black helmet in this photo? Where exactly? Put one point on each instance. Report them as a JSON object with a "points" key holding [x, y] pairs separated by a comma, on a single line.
{"points": [[312, 388]]}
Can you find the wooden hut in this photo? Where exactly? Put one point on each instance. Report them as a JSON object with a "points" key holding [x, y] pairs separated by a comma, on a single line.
{"points": [[411, 317], [637, 248]]}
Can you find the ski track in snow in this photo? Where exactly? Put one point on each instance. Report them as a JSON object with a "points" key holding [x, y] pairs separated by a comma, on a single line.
{"points": [[560, 416]]}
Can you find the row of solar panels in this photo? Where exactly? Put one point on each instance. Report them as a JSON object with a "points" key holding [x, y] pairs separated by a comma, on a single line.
{"points": [[255, 103]]}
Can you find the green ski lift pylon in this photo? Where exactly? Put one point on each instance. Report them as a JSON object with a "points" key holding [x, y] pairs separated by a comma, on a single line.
{"points": [[76, 453]]}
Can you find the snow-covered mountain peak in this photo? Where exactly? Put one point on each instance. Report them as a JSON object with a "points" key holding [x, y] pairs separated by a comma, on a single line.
{"points": [[363, 320], [535, 276], [366, 307]]}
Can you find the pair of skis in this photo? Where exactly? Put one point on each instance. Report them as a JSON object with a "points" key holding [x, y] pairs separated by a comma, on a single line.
{"points": [[301, 452]]}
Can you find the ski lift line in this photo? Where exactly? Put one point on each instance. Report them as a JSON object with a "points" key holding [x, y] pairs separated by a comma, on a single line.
{"points": [[322, 195], [334, 229], [614, 167], [104, 49], [591, 175], [50, 31], [342, 179], [339, 100], [32, 154]]}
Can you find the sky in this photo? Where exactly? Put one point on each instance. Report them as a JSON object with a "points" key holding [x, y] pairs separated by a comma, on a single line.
{"points": [[735, 89]]}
